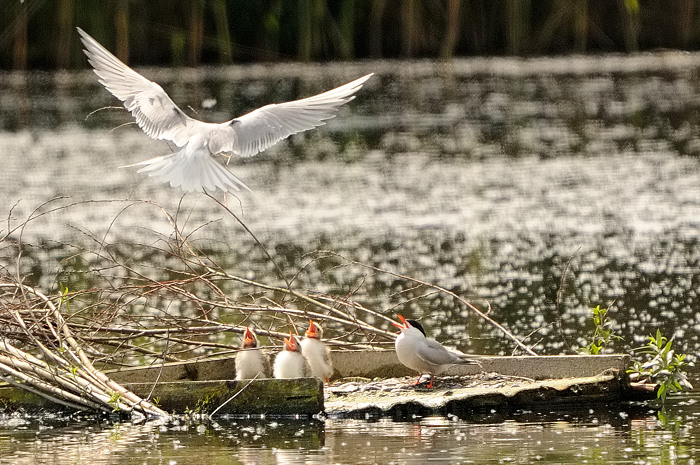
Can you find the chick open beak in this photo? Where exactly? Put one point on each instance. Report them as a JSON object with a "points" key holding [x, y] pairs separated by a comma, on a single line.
{"points": [[311, 332], [290, 344], [248, 338], [404, 325]]}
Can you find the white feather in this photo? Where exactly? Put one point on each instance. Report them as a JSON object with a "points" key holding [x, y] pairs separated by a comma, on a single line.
{"points": [[251, 363], [290, 364], [318, 356], [247, 135]]}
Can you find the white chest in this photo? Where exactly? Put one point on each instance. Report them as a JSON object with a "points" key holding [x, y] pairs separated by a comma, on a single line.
{"points": [[317, 355], [289, 364], [406, 353], [249, 364]]}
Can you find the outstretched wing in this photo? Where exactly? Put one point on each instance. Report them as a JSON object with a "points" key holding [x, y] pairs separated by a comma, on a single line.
{"points": [[261, 128], [153, 110]]}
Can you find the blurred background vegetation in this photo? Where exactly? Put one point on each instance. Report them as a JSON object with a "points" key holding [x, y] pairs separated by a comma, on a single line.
{"points": [[40, 34]]}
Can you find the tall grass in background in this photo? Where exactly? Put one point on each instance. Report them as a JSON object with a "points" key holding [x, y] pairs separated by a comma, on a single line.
{"points": [[41, 33]]}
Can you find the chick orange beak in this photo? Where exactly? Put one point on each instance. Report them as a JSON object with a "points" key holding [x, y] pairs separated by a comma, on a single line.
{"points": [[290, 344], [311, 332], [248, 336], [400, 326]]}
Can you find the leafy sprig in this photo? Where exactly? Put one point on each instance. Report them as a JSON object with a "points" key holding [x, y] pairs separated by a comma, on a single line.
{"points": [[664, 367]]}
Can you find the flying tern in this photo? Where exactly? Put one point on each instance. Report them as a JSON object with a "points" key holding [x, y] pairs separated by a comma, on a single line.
{"points": [[193, 167]]}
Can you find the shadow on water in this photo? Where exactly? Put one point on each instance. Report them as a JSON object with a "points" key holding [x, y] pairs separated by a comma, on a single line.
{"points": [[543, 187]]}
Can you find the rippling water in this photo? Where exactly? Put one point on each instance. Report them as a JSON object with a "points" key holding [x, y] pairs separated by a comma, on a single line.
{"points": [[588, 436], [485, 176]]}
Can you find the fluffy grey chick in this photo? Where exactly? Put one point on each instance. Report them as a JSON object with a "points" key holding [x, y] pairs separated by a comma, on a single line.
{"points": [[251, 362], [290, 363], [316, 352]]}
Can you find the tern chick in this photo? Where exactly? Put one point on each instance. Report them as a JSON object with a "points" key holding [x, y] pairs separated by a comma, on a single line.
{"points": [[290, 362], [317, 353], [251, 362]]}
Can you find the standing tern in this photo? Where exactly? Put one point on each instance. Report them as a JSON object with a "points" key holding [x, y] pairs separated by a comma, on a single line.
{"points": [[425, 355], [250, 361], [316, 352], [193, 167]]}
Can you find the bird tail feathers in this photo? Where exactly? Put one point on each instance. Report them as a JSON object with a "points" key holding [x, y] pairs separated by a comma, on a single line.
{"points": [[468, 359], [192, 171]]}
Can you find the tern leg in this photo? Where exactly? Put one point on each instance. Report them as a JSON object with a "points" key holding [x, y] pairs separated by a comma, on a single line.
{"points": [[430, 384]]}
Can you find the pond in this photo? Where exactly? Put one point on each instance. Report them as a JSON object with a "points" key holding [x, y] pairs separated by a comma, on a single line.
{"points": [[596, 434], [544, 187]]}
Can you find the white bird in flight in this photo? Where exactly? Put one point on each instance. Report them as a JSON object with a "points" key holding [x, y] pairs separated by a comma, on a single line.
{"points": [[193, 168]]}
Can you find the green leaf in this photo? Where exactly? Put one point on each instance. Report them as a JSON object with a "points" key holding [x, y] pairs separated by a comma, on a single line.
{"points": [[661, 415], [667, 348], [661, 393]]}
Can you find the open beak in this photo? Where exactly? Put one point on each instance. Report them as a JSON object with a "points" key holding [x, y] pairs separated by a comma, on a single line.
{"points": [[290, 344], [248, 338], [311, 332], [404, 325]]}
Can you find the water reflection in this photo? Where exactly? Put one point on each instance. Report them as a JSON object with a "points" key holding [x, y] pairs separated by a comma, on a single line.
{"points": [[596, 435]]}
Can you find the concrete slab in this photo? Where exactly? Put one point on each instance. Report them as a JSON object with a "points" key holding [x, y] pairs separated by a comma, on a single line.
{"points": [[303, 396], [464, 401], [214, 368], [385, 364]]}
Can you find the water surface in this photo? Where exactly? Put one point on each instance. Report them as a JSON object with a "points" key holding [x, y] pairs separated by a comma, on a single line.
{"points": [[590, 435], [487, 177]]}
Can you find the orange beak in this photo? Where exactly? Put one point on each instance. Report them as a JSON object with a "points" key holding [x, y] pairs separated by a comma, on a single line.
{"points": [[311, 332], [401, 326], [248, 338], [290, 344]]}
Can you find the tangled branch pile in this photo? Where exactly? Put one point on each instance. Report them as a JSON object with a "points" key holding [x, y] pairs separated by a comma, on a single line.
{"points": [[150, 304], [60, 371]]}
